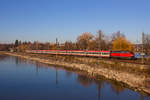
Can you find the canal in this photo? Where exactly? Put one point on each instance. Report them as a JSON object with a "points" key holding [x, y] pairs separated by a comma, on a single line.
{"points": [[21, 79]]}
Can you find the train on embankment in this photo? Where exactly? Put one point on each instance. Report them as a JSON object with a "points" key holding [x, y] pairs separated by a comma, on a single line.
{"points": [[103, 54]]}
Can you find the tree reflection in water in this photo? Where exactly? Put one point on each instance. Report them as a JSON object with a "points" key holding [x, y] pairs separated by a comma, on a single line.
{"points": [[19, 60], [86, 81], [3, 57], [117, 88], [68, 73], [56, 76]]}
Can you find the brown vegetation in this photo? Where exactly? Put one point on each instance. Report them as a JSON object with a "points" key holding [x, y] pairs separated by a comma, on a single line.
{"points": [[5, 47], [122, 44], [85, 41]]}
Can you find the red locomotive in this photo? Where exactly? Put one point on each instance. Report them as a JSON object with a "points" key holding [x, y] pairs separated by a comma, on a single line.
{"points": [[122, 54], [105, 54]]}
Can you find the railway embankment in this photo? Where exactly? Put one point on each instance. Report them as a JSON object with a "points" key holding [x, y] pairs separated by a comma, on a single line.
{"points": [[135, 76]]}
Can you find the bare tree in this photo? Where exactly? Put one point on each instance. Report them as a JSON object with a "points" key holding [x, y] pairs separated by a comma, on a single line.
{"points": [[116, 35], [100, 39], [84, 40], [69, 45]]}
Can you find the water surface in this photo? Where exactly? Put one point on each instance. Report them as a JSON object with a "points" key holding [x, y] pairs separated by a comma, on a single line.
{"points": [[21, 79]]}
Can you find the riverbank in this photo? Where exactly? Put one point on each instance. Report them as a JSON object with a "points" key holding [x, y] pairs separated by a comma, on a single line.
{"points": [[135, 76], [2, 52]]}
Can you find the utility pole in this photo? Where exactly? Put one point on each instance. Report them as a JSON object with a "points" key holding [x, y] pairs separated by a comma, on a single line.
{"points": [[88, 43], [56, 46], [100, 35], [142, 47], [99, 43], [56, 43], [137, 47]]}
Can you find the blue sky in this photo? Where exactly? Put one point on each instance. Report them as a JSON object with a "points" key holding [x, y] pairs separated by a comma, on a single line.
{"points": [[44, 20]]}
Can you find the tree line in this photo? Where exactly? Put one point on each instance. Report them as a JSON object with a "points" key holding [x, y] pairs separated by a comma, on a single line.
{"points": [[85, 41], [5, 47]]}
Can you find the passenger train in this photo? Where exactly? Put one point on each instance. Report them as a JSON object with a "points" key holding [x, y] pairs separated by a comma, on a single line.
{"points": [[104, 54]]}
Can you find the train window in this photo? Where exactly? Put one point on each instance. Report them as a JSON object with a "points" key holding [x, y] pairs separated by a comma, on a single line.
{"points": [[105, 53], [124, 52], [95, 53]]}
